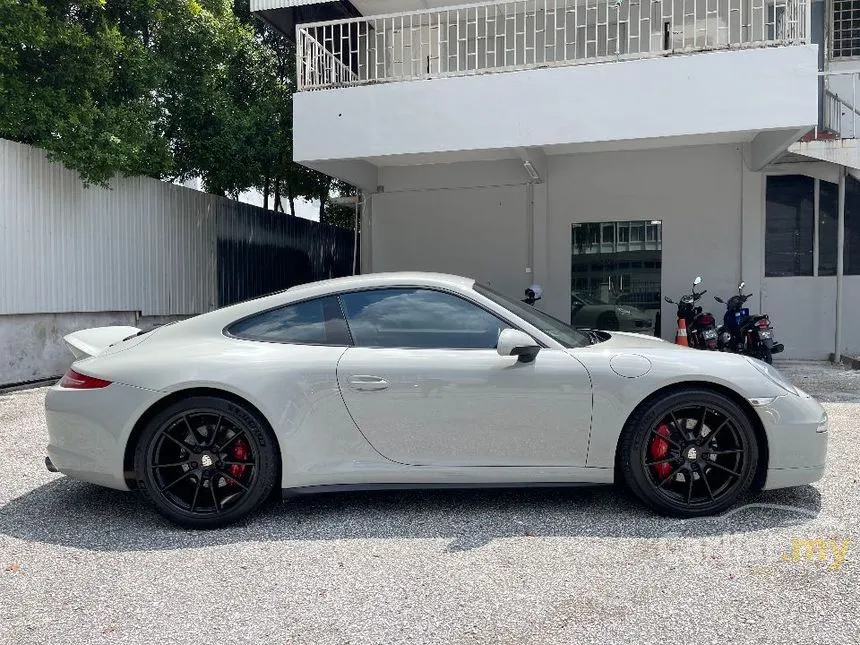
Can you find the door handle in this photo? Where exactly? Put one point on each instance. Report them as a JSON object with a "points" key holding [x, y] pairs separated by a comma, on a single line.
{"points": [[368, 383]]}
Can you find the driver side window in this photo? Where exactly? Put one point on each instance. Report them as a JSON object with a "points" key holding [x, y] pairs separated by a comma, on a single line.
{"points": [[419, 318]]}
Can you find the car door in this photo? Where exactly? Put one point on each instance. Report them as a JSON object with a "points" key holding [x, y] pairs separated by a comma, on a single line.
{"points": [[426, 386]]}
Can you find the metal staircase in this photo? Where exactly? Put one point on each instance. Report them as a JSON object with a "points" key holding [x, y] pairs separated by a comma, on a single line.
{"points": [[835, 140]]}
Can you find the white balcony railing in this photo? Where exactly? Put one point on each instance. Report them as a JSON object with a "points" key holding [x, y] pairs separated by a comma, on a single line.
{"points": [[840, 116], [509, 35]]}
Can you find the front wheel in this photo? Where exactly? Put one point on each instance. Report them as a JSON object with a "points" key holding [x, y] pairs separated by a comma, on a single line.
{"points": [[206, 462], [689, 454]]}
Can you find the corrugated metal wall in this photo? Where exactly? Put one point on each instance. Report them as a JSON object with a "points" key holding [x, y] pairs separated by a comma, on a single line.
{"points": [[143, 246]]}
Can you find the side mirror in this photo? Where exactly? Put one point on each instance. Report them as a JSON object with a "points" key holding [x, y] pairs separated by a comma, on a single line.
{"points": [[697, 281], [513, 342]]}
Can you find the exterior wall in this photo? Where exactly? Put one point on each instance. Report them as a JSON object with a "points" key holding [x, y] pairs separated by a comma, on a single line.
{"points": [[712, 208], [696, 192], [430, 218], [728, 91]]}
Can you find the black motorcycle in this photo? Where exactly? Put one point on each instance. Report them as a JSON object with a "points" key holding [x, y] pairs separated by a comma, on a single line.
{"points": [[701, 326], [742, 333]]}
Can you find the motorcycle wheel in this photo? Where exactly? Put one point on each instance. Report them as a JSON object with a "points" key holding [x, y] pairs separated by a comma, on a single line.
{"points": [[767, 355]]}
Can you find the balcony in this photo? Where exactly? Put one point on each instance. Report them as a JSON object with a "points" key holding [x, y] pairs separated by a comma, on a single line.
{"points": [[489, 80], [835, 138], [490, 37]]}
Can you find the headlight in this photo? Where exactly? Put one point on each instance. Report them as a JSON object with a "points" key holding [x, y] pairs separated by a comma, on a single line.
{"points": [[624, 312], [774, 375]]}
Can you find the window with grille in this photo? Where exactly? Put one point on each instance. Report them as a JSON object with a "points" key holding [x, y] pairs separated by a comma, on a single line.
{"points": [[846, 28]]}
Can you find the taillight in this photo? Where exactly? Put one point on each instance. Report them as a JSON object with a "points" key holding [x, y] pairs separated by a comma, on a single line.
{"points": [[75, 381], [763, 322]]}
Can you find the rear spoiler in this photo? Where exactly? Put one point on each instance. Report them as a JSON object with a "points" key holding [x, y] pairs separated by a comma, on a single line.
{"points": [[92, 342]]}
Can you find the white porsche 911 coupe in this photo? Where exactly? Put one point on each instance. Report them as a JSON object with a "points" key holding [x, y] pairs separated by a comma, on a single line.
{"points": [[417, 380]]}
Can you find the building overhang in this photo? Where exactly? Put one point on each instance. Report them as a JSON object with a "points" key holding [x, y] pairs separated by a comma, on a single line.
{"points": [[765, 97], [284, 15]]}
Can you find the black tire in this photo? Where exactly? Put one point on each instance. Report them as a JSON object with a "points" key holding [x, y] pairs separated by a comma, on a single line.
{"points": [[221, 458], [718, 471], [607, 321], [767, 355]]}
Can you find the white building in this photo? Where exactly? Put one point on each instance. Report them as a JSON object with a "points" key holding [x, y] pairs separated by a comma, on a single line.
{"points": [[608, 150]]}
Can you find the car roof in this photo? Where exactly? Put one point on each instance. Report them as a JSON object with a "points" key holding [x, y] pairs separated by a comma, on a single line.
{"points": [[215, 320], [375, 280]]}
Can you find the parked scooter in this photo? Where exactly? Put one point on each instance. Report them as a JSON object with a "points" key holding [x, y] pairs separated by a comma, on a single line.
{"points": [[701, 326], [742, 333]]}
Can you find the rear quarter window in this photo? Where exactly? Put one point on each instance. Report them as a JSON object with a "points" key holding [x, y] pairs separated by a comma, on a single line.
{"points": [[312, 322]]}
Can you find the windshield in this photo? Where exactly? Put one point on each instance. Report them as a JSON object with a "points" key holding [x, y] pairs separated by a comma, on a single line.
{"points": [[554, 328]]}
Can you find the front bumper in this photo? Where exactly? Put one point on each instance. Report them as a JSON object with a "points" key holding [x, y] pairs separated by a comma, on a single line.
{"points": [[797, 437], [88, 430]]}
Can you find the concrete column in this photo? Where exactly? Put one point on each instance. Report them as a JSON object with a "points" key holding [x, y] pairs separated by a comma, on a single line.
{"points": [[367, 235], [752, 205]]}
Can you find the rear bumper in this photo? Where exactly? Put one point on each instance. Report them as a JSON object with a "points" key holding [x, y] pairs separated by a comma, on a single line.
{"points": [[88, 430]]}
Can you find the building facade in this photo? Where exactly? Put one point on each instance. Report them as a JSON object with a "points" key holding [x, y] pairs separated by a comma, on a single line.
{"points": [[608, 150]]}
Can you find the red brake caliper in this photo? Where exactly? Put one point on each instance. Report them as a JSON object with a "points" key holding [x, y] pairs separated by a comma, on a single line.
{"points": [[240, 452], [658, 449]]}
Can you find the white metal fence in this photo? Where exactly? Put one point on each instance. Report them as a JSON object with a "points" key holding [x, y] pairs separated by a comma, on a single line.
{"points": [[508, 35]]}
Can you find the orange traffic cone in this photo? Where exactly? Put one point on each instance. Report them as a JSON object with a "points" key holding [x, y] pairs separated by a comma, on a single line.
{"points": [[681, 334]]}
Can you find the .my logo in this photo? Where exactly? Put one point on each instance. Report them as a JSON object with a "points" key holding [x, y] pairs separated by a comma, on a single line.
{"points": [[831, 550], [820, 548]]}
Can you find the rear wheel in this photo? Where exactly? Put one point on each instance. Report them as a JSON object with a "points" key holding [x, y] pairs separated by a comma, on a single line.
{"points": [[206, 462], [689, 454]]}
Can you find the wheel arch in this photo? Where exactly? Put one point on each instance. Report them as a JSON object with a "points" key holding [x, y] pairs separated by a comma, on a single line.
{"points": [[170, 399], [735, 397]]}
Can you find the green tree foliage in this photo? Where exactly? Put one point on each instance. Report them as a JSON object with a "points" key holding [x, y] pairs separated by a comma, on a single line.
{"points": [[171, 89]]}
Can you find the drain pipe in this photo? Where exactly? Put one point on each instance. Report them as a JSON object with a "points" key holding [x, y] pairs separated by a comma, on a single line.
{"points": [[840, 265], [530, 224]]}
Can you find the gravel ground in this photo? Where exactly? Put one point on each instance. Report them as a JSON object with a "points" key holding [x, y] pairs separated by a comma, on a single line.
{"points": [[80, 564]]}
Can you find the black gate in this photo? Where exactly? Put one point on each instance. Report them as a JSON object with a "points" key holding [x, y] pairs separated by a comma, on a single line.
{"points": [[261, 251]]}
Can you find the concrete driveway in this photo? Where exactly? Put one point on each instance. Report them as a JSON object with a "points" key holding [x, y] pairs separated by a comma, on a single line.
{"points": [[81, 564]]}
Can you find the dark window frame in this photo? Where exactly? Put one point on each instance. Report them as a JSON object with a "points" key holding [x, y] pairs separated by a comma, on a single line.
{"points": [[813, 269], [338, 295], [851, 251], [436, 289], [345, 334], [827, 249], [844, 36]]}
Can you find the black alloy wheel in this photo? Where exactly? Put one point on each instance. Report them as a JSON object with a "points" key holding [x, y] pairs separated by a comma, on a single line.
{"points": [[206, 462], [689, 454]]}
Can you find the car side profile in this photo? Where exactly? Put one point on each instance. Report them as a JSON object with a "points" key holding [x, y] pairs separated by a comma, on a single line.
{"points": [[417, 380]]}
